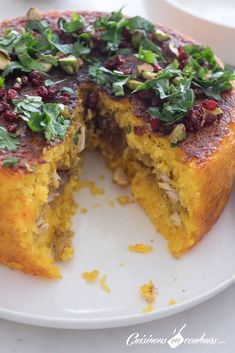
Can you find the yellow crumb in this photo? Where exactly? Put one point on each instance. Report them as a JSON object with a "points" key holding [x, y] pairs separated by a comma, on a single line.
{"points": [[83, 210], [148, 308], [121, 265], [90, 277], [172, 302], [125, 199], [94, 190], [67, 253], [141, 248], [103, 284], [95, 205], [111, 203], [147, 291], [101, 177]]}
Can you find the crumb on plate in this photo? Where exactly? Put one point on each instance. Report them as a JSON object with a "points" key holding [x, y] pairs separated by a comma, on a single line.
{"points": [[125, 199], [172, 302], [94, 190], [148, 292], [148, 308], [104, 285], [90, 277], [83, 210], [141, 248], [111, 203]]}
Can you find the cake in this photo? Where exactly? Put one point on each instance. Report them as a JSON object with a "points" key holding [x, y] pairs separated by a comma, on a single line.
{"points": [[159, 106]]}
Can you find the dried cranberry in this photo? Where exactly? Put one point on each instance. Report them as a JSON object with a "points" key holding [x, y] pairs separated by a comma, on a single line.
{"points": [[182, 54], [52, 91], [64, 99], [2, 92], [24, 80], [17, 87], [155, 123], [10, 116], [126, 33], [196, 117], [42, 92], [12, 127], [139, 130], [91, 100], [124, 70], [114, 62], [156, 67], [210, 118], [6, 105], [209, 104], [198, 92], [36, 78], [12, 94], [2, 108]]}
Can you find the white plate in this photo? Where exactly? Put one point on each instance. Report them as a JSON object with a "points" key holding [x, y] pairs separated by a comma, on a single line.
{"points": [[103, 235]]}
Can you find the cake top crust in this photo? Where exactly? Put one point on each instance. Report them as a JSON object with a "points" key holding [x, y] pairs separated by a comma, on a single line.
{"points": [[176, 87]]}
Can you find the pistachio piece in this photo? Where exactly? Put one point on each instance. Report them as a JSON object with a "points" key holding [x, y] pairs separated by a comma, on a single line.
{"points": [[137, 35], [160, 35], [4, 59], [215, 112], [70, 64], [120, 177], [178, 134], [143, 67], [147, 75], [173, 48], [34, 14], [133, 84]]}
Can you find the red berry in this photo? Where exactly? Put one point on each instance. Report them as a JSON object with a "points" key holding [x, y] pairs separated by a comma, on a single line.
{"points": [[64, 99], [52, 91], [196, 117], [139, 130], [182, 54], [17, 86], [36, 78], [12, 127], [10, 116], [155, 123], [2, 108], [156, 67], [24, 80], [2, 92], [42, 92], [210, 104], [12, 94]]}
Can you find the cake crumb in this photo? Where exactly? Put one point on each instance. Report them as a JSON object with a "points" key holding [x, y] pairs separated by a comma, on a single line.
{"points": [[101, 177], [94, 190], [121, 265], [90, 277], [83, 210], [140, 248], [67, 253], [172, 302], [111, 203], [148, 308], [103, 284], [125, 199], [148, 292]]}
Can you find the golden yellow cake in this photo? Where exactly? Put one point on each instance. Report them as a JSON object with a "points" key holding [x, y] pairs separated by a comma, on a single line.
{"points": [[158, 105]]}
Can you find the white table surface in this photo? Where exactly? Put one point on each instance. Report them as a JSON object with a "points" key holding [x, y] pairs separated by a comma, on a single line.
{"points": [[215, 317]]}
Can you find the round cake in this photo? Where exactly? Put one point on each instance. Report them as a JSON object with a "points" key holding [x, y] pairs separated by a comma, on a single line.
{"points": [[159, 106]]}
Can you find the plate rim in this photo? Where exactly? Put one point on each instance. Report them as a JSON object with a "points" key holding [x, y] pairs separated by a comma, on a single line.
{"points": [[117, 321]]}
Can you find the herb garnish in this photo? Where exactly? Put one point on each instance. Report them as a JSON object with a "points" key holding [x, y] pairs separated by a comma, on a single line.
{"points": [[43, 117], [10, 162], [8, 140]]}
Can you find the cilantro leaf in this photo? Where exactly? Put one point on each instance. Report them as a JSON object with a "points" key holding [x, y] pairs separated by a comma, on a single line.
{"points": [[8, 141], [10, 162], [42, 117], [76, 23], [138, 22]]}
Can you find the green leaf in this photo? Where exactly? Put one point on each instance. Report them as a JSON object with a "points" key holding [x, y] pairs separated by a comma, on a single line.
{"points": [[9, 39], [2, 82], [67, 89], [49, 82], [8, 141], [147, 56], [138, 22], [14, 65], [76, 136], [76, 23], [10, 162]]}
